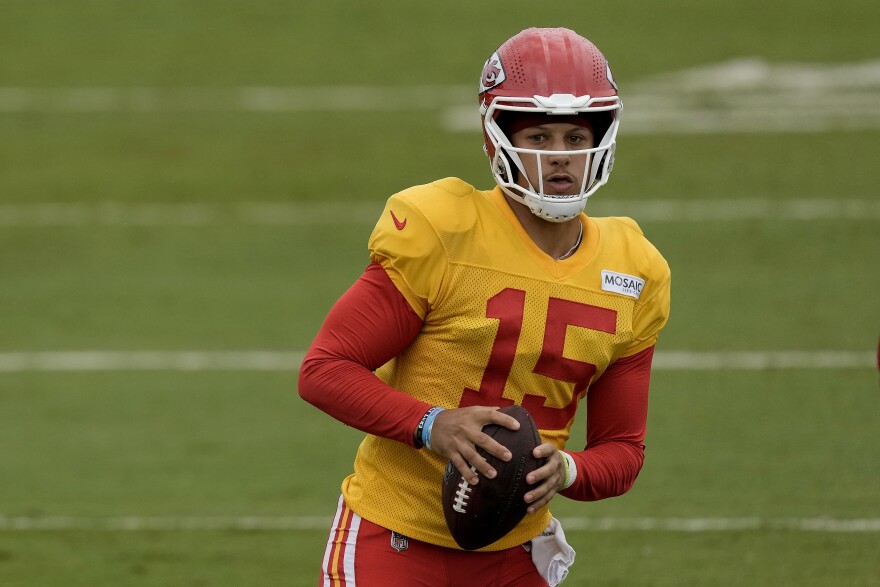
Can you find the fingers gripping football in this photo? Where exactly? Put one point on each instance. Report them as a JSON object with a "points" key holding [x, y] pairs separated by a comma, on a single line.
{"points": [[480, 514], [457, 433], [549, 478]]}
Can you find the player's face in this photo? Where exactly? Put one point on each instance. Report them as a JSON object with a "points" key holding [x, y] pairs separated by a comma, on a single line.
{"points": [[561, 173]]}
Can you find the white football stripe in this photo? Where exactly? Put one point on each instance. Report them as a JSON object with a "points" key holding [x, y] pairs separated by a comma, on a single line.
{"points": [[319, 523], [66, 361]]}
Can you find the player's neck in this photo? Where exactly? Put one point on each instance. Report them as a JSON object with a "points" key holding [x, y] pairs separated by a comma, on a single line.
{"points": [[559, 240]]}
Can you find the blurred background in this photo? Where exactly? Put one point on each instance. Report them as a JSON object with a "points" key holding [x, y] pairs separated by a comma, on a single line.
{"points": [[186, 187]]}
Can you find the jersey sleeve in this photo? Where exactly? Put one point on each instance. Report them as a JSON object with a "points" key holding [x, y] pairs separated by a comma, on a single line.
{"points": [[651, 311], [617, 415], [650, 316], [407, 246], [368, 325]]}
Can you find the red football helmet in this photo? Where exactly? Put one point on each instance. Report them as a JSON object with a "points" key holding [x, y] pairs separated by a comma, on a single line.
{"points": [[556, 72]]}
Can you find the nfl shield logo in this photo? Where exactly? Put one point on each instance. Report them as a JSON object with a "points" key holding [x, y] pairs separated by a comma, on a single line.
{"points": [[399, 542]]}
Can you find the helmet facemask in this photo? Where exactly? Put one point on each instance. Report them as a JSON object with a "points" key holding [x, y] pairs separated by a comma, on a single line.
{"points": [[552, 72], [507, 163]]}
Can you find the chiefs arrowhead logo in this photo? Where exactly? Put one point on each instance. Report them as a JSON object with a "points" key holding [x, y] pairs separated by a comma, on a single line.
{"points": [[397, 223], [493, 73], [610, 77]]}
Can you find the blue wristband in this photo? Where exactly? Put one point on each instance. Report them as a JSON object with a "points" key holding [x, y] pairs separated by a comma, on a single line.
{"points": [[429, 423]]}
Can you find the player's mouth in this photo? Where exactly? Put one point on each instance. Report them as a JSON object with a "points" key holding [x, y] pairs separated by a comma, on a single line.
{"points": [[559, 182]]}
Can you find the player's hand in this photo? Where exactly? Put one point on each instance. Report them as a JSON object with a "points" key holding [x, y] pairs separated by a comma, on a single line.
{"points": [[458, 432], [549, 478]]}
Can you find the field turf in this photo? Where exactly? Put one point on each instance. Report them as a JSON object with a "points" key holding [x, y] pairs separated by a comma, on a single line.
{"points": [[197, 225]]}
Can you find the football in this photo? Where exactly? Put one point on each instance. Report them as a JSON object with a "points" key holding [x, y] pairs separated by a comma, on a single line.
{"points": [[478, 515]]}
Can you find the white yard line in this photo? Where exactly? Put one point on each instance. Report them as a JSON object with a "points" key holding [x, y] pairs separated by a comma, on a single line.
{"points": [[762, 360], [318, 523], [820, 524], [743, 95], [241, 98], [144, 214], [22, 362], [72, 361]]}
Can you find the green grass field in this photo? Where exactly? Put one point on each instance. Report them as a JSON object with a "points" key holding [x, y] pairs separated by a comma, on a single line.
{"points": [[146, 208]]}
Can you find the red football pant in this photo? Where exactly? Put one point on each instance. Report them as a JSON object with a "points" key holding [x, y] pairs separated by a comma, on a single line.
{"points": [[362, 554]]}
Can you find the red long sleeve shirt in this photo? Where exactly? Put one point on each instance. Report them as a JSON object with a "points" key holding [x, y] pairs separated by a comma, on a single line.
{"points": [[373, 322]]}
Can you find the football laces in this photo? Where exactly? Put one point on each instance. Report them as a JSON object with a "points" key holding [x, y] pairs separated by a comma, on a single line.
{"points": [[462, 495]]}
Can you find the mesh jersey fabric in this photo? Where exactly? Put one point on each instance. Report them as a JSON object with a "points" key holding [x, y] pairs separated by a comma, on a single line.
{"points": [[503, 323]]}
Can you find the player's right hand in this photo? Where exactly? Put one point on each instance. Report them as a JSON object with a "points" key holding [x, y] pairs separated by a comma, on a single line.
{"points": [[458, 432]]}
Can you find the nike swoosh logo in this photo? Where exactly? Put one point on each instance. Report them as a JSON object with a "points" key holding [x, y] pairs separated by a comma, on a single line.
{"points": [[400, 225]]}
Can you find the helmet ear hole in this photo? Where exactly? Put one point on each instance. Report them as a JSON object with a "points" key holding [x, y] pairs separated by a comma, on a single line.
{"points": [[505, 168], [596, 172], [601, 124], [601, 168], [500, 168]]}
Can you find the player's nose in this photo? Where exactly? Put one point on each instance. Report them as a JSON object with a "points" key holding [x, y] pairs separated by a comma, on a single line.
{"points": [[559, 159]]}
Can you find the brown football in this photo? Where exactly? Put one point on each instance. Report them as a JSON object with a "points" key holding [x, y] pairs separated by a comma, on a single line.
{"points": [[478, 515]]}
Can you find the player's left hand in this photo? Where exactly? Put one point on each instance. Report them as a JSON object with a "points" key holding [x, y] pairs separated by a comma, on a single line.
{"points": [[549, 478]]}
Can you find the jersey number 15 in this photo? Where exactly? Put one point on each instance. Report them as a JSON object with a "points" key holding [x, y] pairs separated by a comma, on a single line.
{"points": [[508, 307]]}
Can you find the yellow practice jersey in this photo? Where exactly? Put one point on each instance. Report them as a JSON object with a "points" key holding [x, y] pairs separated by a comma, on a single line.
{"points": [[504, 323]]}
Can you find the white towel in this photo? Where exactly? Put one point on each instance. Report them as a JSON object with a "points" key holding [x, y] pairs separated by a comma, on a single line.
{"points": [[551, 554]]}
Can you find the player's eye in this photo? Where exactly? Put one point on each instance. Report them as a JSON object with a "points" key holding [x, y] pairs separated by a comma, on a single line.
{"points": [[538, 138]]}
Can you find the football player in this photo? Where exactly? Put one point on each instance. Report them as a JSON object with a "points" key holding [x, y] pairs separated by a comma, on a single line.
{"points": [[476, 299]]}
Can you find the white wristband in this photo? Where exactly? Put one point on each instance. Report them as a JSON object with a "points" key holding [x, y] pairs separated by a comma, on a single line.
{"points": [[571, 471]]}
